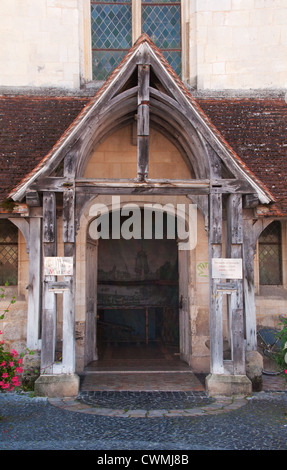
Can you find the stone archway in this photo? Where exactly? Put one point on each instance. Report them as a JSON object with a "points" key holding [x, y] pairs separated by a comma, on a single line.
{"points": [[139, 295]]}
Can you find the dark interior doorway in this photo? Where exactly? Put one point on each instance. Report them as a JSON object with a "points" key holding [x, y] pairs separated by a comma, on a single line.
{"points": [[138, 299]]}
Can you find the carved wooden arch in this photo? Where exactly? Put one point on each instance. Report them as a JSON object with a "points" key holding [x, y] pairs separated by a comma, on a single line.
{"points": [[166, 116]]}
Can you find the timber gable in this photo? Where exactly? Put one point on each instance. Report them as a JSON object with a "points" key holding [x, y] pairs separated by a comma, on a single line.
{"points": [[165, 104]]}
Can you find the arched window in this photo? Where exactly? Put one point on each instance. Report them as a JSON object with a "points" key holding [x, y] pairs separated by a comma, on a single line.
{"points": [[8, 253], [115, 25], [270, 255]]}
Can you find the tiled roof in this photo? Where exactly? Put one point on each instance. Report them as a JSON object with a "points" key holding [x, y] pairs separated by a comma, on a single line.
{"points": [[252, 130], [256, 129], [29, 127]]}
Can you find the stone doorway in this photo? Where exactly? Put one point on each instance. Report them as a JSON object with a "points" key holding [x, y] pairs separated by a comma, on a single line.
{"points": [[139, 293], [138, 297]]}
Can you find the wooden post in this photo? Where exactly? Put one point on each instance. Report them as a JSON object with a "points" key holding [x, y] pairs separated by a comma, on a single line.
{"points": [[249, 248], [33, 320], [252, 230], [49, 298], [91, 350], [215, 300], [234, 241], [32, 233], [184, 314], [238, 353], [143, 121], [68, 359]]}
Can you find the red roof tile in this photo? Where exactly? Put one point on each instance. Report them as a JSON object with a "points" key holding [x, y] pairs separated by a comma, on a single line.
{"points": [[29, 127], [256, 129]]}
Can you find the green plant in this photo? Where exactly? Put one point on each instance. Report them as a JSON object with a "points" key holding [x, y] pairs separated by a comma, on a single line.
{"points": [[10, 367], [11, 302], [281, 354], [10, 362]]}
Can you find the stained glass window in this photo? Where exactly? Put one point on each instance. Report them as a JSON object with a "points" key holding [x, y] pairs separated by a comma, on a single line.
{"points": [[270, 259], [161, 21], [8, 253], [112, 31], [111, 35]]}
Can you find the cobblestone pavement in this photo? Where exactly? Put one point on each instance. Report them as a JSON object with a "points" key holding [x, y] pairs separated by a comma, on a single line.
{"points": [[151, 421]]}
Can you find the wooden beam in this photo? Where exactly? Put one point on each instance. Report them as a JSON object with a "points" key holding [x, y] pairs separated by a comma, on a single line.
{"points": [[215, 298], [68, 359], [128, 186], [34, 288], [238, 352], [49, 298], [234, 249], [143, 121], [33, 199]]}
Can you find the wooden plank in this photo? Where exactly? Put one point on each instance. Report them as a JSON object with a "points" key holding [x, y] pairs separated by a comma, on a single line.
{"points": [[59, 285], [238, 353]]}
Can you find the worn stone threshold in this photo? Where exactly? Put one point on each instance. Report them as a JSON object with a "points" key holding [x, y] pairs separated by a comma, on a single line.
{"points": [[221, 405]]}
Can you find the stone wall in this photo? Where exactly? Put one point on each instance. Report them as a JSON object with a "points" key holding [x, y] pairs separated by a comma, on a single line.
{"points": [[40, 43], [14, 324], [241, 44], [227, 44]]}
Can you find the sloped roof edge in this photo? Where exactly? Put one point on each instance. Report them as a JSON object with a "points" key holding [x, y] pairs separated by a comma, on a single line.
{"points": [[262, 191]]}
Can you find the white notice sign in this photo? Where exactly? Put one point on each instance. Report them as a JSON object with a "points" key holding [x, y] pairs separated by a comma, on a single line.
{"points": [[58, 266], [227, 268]]}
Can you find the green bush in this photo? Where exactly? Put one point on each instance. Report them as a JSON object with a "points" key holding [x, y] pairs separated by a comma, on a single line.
{"points": [[281, 355]]}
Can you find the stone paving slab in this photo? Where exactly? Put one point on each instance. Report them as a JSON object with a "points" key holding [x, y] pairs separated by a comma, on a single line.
{"points": [[219, 405], [32, 423]]}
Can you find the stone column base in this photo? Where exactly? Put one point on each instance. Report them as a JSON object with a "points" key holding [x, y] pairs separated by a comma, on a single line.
{"points": [[254, 368], [228, 385], [56, 386]]}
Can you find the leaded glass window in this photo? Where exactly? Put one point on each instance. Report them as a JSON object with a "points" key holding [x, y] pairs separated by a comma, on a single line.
{"points": [[270, 258], [111, 35], [8, 253], [161, 21], [112, 21]]}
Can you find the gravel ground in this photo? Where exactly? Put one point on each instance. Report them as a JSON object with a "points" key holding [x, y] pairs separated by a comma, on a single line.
{"points": [[35, 424]]}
